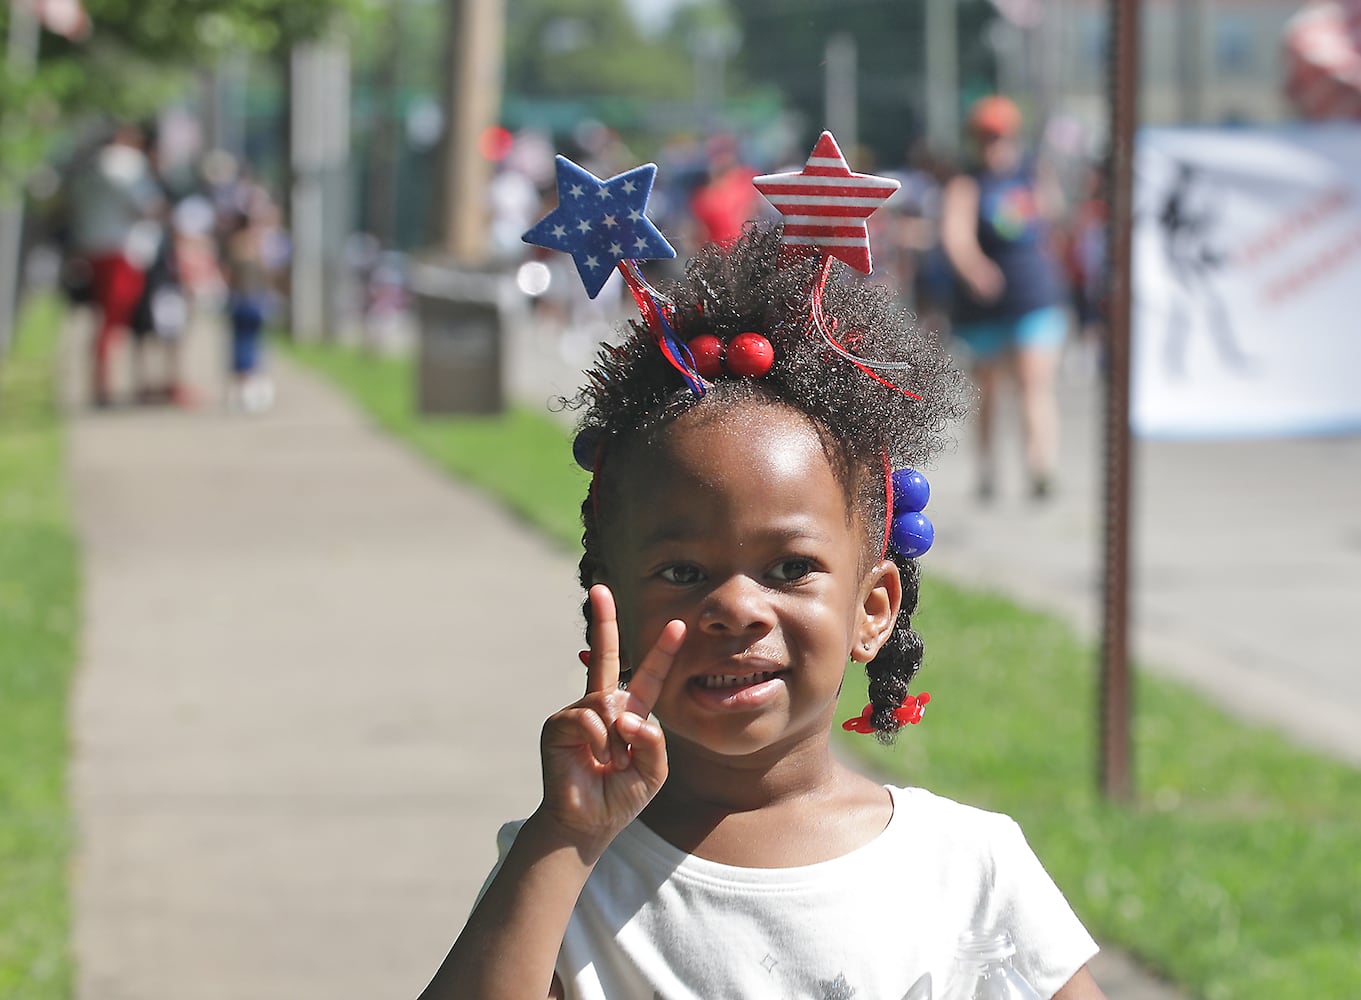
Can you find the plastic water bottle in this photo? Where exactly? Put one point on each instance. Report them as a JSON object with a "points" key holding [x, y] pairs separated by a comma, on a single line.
{"points": [[983, 970]]}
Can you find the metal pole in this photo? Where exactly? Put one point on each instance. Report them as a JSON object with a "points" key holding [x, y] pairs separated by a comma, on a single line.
{"points": [[307, 207], [840, 93], [1192, 71], [941, 60], [1046, 47], [1115, 780], [385, 155], [336, 214]]}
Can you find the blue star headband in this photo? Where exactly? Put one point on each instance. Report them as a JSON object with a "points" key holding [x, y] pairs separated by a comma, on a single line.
{"points": [[604, 226], [601, 223]]}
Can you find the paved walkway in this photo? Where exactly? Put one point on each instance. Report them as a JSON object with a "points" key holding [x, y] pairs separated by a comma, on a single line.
{"points": [[312, 684], [299, 717]]}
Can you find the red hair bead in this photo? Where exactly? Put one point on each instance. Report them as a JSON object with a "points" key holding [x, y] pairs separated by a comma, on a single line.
{"points": [[707, 350], [749, 354]]}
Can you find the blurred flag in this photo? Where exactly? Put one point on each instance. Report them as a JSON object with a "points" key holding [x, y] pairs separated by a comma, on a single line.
{"points": [[1247, 257], [1322, 48], [63, 17]]}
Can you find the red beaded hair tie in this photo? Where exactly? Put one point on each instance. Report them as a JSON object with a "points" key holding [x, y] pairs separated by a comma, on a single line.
{"points": [[908, 714]]}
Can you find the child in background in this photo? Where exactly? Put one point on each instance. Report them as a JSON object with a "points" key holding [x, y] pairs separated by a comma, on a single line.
{"points": [[248, 299], [697, 837]]}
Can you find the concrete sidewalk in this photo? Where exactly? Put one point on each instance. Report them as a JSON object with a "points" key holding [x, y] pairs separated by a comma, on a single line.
{"points": [[312, 684], [299, 718]]}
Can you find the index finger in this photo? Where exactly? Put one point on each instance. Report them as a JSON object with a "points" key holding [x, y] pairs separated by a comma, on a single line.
{"points": [[602, 672]]}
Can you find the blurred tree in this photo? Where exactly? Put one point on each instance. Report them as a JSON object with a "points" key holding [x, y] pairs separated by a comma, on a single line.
{"points": [[137, 56], [588, 48], [662, 70]]}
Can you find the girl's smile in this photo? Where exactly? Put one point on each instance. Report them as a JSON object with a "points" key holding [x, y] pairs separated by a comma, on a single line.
{"points": [[738, 692], [732, 520]]}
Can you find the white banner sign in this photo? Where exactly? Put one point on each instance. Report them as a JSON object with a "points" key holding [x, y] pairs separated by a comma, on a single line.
{"points": [[1247, 281]]}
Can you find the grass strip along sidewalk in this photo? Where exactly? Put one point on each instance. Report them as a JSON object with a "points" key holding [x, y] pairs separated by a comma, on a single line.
{"points": [[39, 590], [1236, 873]]}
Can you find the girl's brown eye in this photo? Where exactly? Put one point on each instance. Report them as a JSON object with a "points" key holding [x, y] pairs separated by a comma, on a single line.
{"points": [[682, 574], [791, 569]]}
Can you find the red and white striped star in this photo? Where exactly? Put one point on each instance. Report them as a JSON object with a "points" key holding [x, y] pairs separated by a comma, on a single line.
{"points": [[825, 205]]}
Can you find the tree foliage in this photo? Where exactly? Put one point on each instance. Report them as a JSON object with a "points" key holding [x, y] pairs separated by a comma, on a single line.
{"points": [[588, 48], [137, 56]]}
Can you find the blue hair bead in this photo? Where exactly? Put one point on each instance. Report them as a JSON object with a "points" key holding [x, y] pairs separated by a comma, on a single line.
{"points": [[586, 446], [912, 533], [911, 491]]}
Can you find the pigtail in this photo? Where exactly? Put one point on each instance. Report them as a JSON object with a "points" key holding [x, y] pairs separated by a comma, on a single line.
{"points": [[898, 661], [590, 560], [587, 569]]}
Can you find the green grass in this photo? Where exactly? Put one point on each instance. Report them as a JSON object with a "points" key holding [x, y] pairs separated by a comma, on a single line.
{"points": [[39, 589], [1238, 874]]}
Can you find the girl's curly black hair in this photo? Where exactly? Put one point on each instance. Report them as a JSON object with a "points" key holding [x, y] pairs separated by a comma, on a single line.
{"points": [[748, 286]]}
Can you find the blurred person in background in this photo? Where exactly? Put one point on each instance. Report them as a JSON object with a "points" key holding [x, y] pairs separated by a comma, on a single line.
{"points": [[726, 199], [246, 259], [1008, 307], [1085, 263], [513, 199], [195, 224], [115, 204], [911, 236], [161, 316]]}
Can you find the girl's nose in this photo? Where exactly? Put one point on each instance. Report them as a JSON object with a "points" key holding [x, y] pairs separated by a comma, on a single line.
{"points": [[738, 604]]}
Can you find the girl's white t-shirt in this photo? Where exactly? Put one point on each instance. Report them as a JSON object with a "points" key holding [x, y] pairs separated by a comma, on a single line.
{"points": [[880, 923]]}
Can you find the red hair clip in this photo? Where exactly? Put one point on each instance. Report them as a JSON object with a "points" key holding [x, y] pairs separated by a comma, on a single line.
{"points": [[908, 714]]}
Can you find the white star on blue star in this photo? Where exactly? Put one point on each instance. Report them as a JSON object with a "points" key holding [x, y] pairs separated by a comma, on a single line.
{"points": [[580, 226]]}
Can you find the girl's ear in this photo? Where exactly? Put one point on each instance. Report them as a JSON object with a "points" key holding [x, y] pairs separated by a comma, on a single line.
{"points": [[878, 613]]}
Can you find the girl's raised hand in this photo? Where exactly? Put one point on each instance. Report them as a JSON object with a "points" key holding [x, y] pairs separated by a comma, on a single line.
{"points": [[603, 759]]}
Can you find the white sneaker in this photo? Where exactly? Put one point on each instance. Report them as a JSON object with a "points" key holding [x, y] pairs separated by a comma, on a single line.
{"points": [[257, 395]]}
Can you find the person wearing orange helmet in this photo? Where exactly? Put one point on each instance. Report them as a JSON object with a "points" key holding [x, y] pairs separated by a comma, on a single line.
{"points": [[1009, 307]]}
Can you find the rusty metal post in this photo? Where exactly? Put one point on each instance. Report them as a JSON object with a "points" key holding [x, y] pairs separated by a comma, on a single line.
{"points": [[1115, 781]]}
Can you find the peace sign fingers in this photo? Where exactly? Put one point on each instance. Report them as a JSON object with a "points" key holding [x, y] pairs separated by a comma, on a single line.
{"points": [[603, 758], [602, 671]]}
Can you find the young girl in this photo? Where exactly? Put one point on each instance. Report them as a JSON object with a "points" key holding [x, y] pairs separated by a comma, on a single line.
{"points": [[248, 302], [697, 836]]}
